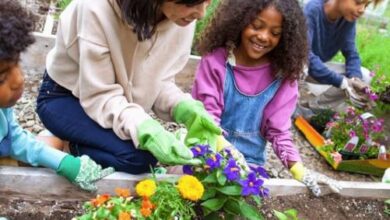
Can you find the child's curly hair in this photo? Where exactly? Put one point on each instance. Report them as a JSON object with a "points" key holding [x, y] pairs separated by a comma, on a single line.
{"points": [[231, 18], [16, 26]]}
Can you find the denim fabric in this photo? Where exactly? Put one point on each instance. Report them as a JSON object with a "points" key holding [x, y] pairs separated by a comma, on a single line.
{"points": [[61, 112], [6, 143], [242, 116]]}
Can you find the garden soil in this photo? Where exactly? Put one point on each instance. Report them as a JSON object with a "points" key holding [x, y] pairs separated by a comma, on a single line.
{"points": [[309, 207]]}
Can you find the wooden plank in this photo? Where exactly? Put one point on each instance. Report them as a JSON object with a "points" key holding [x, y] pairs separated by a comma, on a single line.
{"points": [[40, 183]]}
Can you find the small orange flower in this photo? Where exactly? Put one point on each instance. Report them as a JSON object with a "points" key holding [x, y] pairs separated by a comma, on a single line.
{"points": [[123, 192], [146, 203], [146, 212], [124, 216], [100, 199]]}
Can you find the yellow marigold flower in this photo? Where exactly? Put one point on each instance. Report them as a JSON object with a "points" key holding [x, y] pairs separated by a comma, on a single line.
{"points": [[190, 188], [146, 188]]}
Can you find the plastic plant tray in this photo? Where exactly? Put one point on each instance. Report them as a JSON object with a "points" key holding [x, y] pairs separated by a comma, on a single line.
{"points": [[374, 167]]}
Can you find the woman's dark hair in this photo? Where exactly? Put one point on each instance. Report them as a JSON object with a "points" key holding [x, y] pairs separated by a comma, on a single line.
{"points": [[231, 18], [16, 26], [143, 15]]}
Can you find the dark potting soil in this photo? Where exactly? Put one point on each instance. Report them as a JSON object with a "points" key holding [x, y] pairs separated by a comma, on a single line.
{"points": [[329, 207]]}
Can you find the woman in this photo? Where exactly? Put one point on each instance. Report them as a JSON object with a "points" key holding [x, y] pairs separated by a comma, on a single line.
{"points": [[114, 61]]}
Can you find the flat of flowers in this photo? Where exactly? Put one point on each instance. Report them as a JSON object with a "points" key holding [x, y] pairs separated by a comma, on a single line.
{"points": [[369, 166]]}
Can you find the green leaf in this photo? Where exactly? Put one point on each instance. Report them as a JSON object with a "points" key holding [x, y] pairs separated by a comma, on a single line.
{"points": [[209, 193], [211, 178], [221, 178], [212, 216], [232, 207], [257, 199], [280, 215], [234, 190], [293, 213], [206, 211], [214, 204], [249, 211], [387, 202]]}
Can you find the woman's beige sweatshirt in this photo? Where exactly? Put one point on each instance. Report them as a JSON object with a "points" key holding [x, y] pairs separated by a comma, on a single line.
{"points": [[117, 78]]}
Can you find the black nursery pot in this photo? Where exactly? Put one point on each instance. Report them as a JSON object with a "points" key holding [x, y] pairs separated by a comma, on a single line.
{"points": [[346, 155]]}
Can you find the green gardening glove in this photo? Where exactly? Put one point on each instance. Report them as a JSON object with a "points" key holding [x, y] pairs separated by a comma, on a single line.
{"points": [[199, 123], [82, 171], [163, 144]]}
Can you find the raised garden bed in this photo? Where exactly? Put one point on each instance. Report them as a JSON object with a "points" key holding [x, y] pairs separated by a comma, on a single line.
{"points": [[37, 193]]}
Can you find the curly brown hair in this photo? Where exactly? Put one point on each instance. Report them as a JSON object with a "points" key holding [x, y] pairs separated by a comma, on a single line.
{"points": [[232, 16], [16, 26]]}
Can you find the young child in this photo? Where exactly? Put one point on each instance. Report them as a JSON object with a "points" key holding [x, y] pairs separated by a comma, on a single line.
{"points": [[253, 53], [332, 28], [16, 25]]}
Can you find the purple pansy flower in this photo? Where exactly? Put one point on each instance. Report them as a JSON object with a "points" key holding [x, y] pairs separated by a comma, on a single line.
{"points": [[232, 171], [251, 186], [264, 192], [214, 161], [260, 171], [200, 150], [187, 169]]}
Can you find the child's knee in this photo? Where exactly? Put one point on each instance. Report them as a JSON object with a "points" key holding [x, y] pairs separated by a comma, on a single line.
{"points": [[48, 138]]}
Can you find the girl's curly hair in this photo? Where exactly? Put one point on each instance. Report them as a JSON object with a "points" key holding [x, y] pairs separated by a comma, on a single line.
{"points": [[231, 18], [16, 26]]}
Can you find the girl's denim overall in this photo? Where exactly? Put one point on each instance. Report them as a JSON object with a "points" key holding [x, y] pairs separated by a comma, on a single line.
{"points": [[242, 117]]}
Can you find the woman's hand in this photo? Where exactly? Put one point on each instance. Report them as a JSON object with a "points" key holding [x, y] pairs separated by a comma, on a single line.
{"points": [[200, 125], [163, 144]]}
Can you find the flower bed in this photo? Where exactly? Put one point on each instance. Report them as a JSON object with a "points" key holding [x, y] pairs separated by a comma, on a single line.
{"points": [[222, 185]]}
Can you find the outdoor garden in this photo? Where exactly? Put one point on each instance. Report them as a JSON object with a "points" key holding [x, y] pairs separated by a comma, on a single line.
{"points": [[347, 146]]}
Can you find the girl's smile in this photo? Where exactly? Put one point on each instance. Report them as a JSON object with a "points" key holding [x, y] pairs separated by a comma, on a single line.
{"points": [[260, 37]]}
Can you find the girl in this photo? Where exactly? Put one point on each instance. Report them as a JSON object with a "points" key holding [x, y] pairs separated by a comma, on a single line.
{"points": [[113, 62], [254, 52]]}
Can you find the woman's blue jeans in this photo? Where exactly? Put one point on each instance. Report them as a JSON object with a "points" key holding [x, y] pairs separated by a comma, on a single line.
{"points": [[62, 114]]}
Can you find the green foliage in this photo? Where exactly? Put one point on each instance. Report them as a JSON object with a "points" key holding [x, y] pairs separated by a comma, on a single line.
{"points": [[61, 4], [170, 203], [201, 24], [319, 120], [290, 214], [387, 207], [225, 194]]}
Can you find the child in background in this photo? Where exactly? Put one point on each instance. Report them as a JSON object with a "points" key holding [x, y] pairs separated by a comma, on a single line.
{"points": [[16, 26], [332, 28], [253, 53]]}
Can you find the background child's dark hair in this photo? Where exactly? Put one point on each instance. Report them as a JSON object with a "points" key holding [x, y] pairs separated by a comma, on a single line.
{"points": [[16, 26], [231, 18], [143, 15]]}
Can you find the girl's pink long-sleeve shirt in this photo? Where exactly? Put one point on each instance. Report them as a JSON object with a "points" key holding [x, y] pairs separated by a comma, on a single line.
{"points": [[276, 122]]}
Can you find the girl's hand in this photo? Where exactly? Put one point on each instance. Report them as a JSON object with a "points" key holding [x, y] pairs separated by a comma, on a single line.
{"points": [[312, 179]]}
